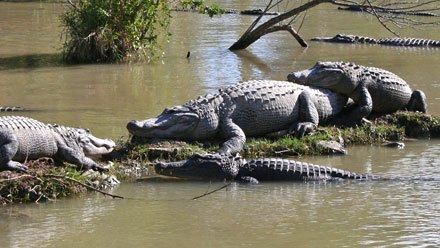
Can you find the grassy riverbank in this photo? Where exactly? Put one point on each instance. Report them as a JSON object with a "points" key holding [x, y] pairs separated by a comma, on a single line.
{"points": [[134, 158]]}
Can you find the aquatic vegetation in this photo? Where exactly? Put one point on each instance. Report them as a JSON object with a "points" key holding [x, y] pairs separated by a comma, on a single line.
{"points": [[113, 31], [415, 124], [108, 31]]}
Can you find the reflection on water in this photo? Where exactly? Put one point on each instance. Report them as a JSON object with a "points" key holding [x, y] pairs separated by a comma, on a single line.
{"points": [[30, 61], [313, 214], [104, 97]]}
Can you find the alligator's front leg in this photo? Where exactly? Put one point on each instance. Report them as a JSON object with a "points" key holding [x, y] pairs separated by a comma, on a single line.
{"points": [[8, 149], [235, 135], [355, 113], [418, 102], [78, 158], [308, 117]]}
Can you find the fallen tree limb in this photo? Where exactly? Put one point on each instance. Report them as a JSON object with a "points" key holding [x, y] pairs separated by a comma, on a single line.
{"points": [[289, 29], [210, 192]]}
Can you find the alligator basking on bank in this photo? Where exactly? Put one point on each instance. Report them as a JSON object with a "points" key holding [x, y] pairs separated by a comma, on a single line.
{"points": [[23, 138], [216, 167], [372, 89], [253, 108], [397, 41]]}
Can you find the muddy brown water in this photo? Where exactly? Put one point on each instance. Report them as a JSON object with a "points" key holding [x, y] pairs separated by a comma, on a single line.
{"points": [[162, 214]]}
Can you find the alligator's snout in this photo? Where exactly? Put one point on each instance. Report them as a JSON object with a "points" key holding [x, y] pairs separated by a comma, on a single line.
{"points": [[159, 168], [135, 127], [298, 77], [132, 125], [170, 168]]}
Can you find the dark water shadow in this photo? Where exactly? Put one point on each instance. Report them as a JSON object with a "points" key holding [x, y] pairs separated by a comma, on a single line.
{"points": [[31, 61]]}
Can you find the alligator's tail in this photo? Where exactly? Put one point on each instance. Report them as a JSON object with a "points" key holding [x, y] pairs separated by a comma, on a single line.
{"points": [[266, 169], [413, 42], [276, 169]]}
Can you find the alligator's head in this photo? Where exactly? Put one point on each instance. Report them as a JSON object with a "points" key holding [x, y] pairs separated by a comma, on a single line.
{"points": [[339, 38], [83, 139], [176, 122], [202, 167], [336, 76], [93, 146]]}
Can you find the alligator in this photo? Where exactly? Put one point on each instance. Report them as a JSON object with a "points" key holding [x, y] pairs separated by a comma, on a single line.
{"points": [[217, 167], [406, 42], [232, 11], [372, 89], [11, 108], [371, 9], [23, 138], [252, 108]]}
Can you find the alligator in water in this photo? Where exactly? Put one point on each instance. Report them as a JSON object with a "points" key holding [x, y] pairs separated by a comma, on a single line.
{"points": [[372, 89], [370, 9], [253, 108], [233, 11], [229, 167], [406, 42], [23, 138], [11, 108]]}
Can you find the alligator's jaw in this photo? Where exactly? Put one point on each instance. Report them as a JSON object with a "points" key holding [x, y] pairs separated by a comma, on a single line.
{"points": [[187, 169], [299, 77], [196, 167], [337, 38], [93, 146], [323, 74], [170, 124], [98, 146]]}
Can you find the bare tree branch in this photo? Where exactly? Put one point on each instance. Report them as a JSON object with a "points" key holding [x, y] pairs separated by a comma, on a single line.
{"points": [[380, 20], [385, 13], [289, 29]]}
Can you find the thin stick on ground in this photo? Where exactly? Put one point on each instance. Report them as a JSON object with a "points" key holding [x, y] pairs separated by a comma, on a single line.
{"points": [[18, 178], [84, 185], [212, 191]]}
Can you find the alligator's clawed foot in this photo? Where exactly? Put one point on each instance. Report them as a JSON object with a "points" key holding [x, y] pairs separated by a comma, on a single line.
{"points": [[248, 180], [14, 166], [95, 168], [100, 168], [303, 128]]}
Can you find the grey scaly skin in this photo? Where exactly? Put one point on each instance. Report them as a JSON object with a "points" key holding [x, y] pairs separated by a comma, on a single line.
{"points": [[406, 42], [11, 108], [253, 108], [23, 138], [369, 9], [223, 167], [372, 89]]}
